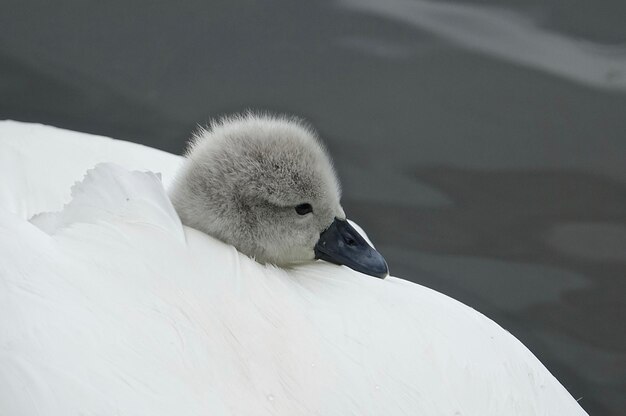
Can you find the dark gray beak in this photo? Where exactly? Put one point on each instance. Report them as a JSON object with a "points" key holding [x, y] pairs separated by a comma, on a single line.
{"points": [[342, 244]]}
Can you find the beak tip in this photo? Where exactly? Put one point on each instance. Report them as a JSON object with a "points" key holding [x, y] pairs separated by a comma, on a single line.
{"points": [[381, 273]]}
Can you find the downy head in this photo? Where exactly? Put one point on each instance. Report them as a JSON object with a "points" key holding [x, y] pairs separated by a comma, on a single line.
{"points": [[266, 186]]}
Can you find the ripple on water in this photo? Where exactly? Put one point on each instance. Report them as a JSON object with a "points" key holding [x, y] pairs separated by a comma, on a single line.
{"points": [[600, 241]]}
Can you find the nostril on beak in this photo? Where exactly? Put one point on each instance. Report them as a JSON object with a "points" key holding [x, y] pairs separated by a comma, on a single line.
{"points": [[349, 239]]}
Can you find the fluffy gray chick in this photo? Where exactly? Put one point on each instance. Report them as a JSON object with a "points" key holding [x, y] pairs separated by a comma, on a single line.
{"points": [[267, 186]]}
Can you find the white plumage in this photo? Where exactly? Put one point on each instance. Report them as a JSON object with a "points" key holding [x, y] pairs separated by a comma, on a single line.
{"points": [[111, 307]]}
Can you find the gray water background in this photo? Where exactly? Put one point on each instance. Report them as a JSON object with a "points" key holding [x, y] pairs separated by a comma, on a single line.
{"points": [[481, 144]]}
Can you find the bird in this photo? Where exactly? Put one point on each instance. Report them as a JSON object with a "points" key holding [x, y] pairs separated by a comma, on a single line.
{"points": [[115, 298], [265, 185]]}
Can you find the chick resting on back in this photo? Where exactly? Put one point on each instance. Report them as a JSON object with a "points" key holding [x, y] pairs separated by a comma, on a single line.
{"points": [[243, 178]]}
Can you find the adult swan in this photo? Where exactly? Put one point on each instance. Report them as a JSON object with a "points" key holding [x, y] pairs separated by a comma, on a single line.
{"points": [[110, 306]]}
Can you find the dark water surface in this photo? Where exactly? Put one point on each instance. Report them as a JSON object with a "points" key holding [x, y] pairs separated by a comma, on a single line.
{"points": [[481, 144]]}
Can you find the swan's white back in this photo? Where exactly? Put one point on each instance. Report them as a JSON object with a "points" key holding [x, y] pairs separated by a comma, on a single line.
{"points": [[111, 307], [39, 164]]}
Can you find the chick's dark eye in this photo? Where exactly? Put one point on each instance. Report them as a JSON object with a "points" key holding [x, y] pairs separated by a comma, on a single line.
{"points": [[304, 209]]}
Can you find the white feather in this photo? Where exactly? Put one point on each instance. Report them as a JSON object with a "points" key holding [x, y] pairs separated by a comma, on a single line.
{"points": [[109, 311]]}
